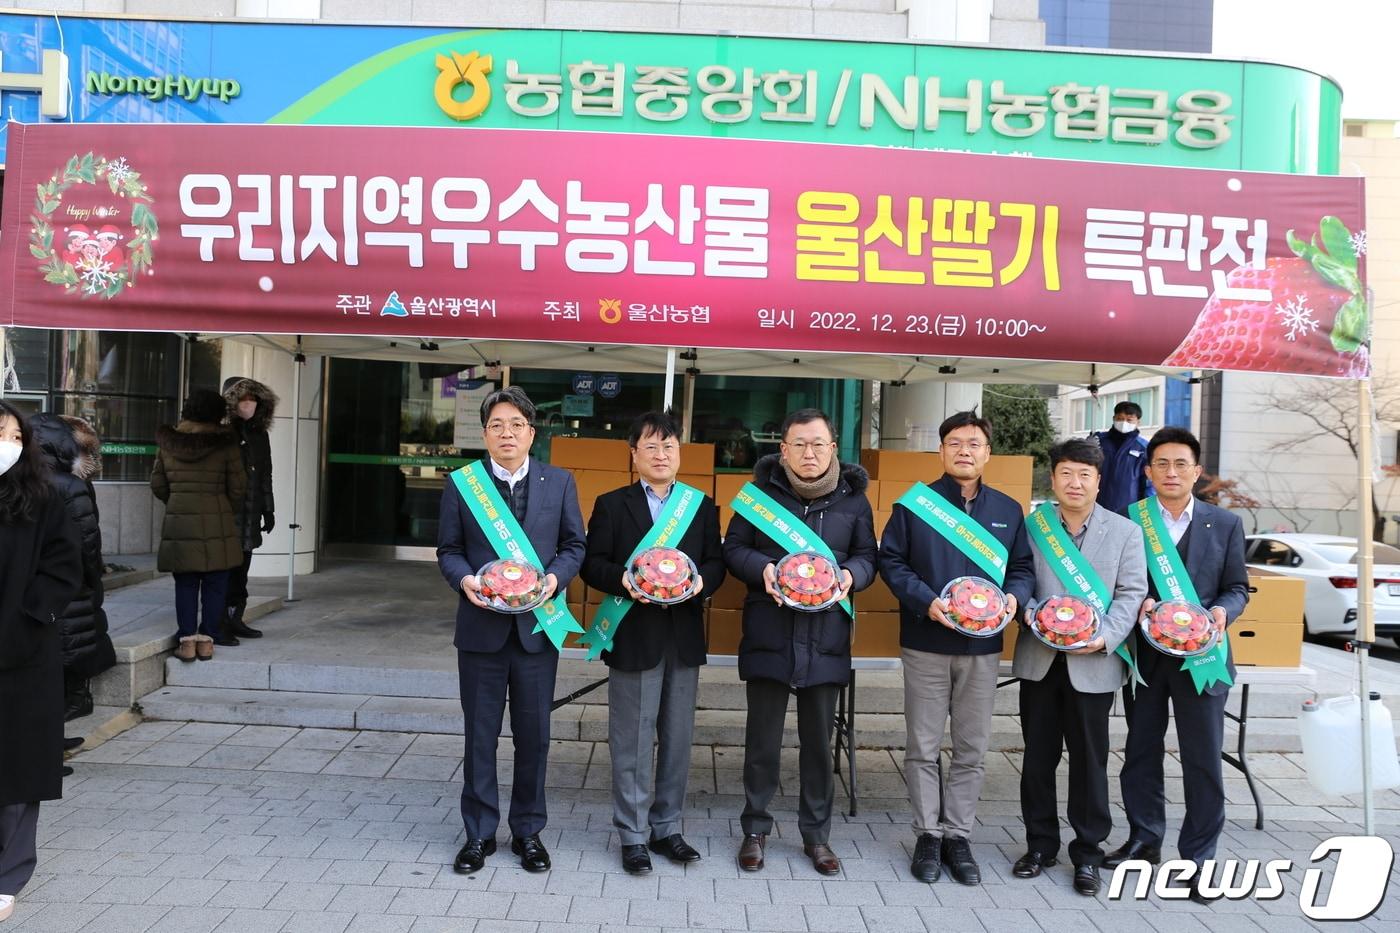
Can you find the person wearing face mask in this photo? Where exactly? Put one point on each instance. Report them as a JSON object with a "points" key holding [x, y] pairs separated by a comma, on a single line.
{"points": [[1124, 459], [251, 408], [799, 494], [41, 568]]}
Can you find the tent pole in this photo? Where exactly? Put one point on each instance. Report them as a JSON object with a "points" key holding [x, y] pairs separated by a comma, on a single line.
{"points": [[689, 419], [298, 359], [668, 395], [4, 360], [1365, 590]]}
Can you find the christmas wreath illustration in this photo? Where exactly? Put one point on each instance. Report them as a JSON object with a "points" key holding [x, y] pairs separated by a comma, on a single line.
{"points": [[99, 258]]}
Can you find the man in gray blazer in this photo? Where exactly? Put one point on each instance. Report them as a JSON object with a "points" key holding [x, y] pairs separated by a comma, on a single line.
{"points": [[1066, 696]]}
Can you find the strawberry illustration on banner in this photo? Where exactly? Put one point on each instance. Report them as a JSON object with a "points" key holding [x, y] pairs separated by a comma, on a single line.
{"points": [[1315, 322]]}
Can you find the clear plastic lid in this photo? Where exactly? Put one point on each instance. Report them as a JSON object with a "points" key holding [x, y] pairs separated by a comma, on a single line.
{"points": [[809, 582], [1065, 622], [511, 586], [976, 606], [1179, 628], [664, 575]]}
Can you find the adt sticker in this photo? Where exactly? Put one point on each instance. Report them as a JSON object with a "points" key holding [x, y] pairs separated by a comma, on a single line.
{"points": [[582, 383], [609, 385]]}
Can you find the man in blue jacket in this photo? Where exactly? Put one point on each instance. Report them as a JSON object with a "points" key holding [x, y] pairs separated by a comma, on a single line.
{"points": [[948, 673], [499, 654], [1123, 481]]}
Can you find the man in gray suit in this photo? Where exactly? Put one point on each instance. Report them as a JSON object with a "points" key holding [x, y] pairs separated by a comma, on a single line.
{"points": [[1066, 696]]}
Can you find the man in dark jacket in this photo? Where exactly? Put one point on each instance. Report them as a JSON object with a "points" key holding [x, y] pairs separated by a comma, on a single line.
{"points": [[946, 672], [87, 648], [785, 651], [501, 655], [654, 662], [251, 407], [1210, 542], [1124, 457]]}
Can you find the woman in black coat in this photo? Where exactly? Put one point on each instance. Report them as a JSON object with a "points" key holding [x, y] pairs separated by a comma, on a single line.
{"points": [[251, 406], [40, 570], [72, 450]]}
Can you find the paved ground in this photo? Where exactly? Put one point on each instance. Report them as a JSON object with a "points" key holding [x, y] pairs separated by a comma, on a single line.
{"points": [[202, 827]]}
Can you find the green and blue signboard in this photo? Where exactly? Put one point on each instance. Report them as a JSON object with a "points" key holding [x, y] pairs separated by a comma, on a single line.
{"points": [[1106, 107]]}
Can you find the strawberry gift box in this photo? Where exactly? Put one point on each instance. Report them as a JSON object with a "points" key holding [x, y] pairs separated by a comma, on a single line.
{"points": [[976, 606], [808, 581], [511, 586], [1065, 623], [1180, 629], [663, 575]]}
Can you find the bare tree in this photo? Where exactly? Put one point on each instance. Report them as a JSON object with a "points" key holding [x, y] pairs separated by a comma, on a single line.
{"points": [[1229, 494], [1331, 407]]}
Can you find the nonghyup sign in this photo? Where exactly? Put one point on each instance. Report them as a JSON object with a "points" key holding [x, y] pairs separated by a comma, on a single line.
{"points": [[1086, 105]]}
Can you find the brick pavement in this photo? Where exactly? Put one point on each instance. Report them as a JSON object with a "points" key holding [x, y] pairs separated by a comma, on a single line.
{"points": [[199, 827]]}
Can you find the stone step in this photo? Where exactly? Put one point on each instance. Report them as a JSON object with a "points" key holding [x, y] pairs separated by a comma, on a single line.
{"points": [[720, 687], [142, 650], [575, 721]]}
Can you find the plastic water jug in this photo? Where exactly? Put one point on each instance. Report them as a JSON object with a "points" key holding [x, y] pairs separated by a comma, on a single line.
{"points": [[1331, 733]]}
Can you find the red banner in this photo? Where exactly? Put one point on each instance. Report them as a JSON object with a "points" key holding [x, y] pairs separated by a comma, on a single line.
{"points": [[616, 239]]}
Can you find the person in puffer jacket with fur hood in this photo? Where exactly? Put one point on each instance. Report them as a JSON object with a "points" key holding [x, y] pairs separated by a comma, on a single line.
{"points": [[73, 452], [251, 406], [199, 476]]}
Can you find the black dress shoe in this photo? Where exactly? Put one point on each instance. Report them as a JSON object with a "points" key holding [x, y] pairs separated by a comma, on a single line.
{"points": [[70, 744], [675, 848], [957, 855], [925, 864], [472, 856], [241, 629], [67, 771], [1130, 851], [534, 856], [225, 640], [635, 860], [1087, 880], [1031, 864]]}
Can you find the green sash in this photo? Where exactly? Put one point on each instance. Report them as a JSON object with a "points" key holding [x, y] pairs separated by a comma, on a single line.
{"points": [[789, 531], [681, 507], [1076, 573], [1169, 573], [508, 540], [962, 530]]}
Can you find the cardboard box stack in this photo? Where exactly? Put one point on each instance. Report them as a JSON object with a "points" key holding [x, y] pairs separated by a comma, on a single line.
{"points": [[896, 470], [599, 465], [1270, 632]]}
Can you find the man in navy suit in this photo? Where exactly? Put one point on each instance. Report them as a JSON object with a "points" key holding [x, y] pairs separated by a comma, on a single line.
{"points": [[1211, 543], [499, 654]]}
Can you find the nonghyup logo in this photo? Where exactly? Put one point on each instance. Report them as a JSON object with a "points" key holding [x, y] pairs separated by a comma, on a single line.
{"points": [[1358, 882]]}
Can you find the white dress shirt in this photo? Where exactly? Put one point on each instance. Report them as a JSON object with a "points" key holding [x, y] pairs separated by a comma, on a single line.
{"points": [[507, 477], [1176, 527]]}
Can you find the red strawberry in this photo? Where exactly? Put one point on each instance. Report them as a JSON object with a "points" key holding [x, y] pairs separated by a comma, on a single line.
{"points": [[1316, 321]]}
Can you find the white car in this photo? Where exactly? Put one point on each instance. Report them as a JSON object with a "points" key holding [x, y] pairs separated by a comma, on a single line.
{"points": [[1327, 565]]}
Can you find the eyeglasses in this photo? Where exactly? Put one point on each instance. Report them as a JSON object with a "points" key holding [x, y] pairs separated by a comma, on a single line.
{"points": [[1181, 466], [514, 426], [816, 447], [652, 450], [971, 447]]}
